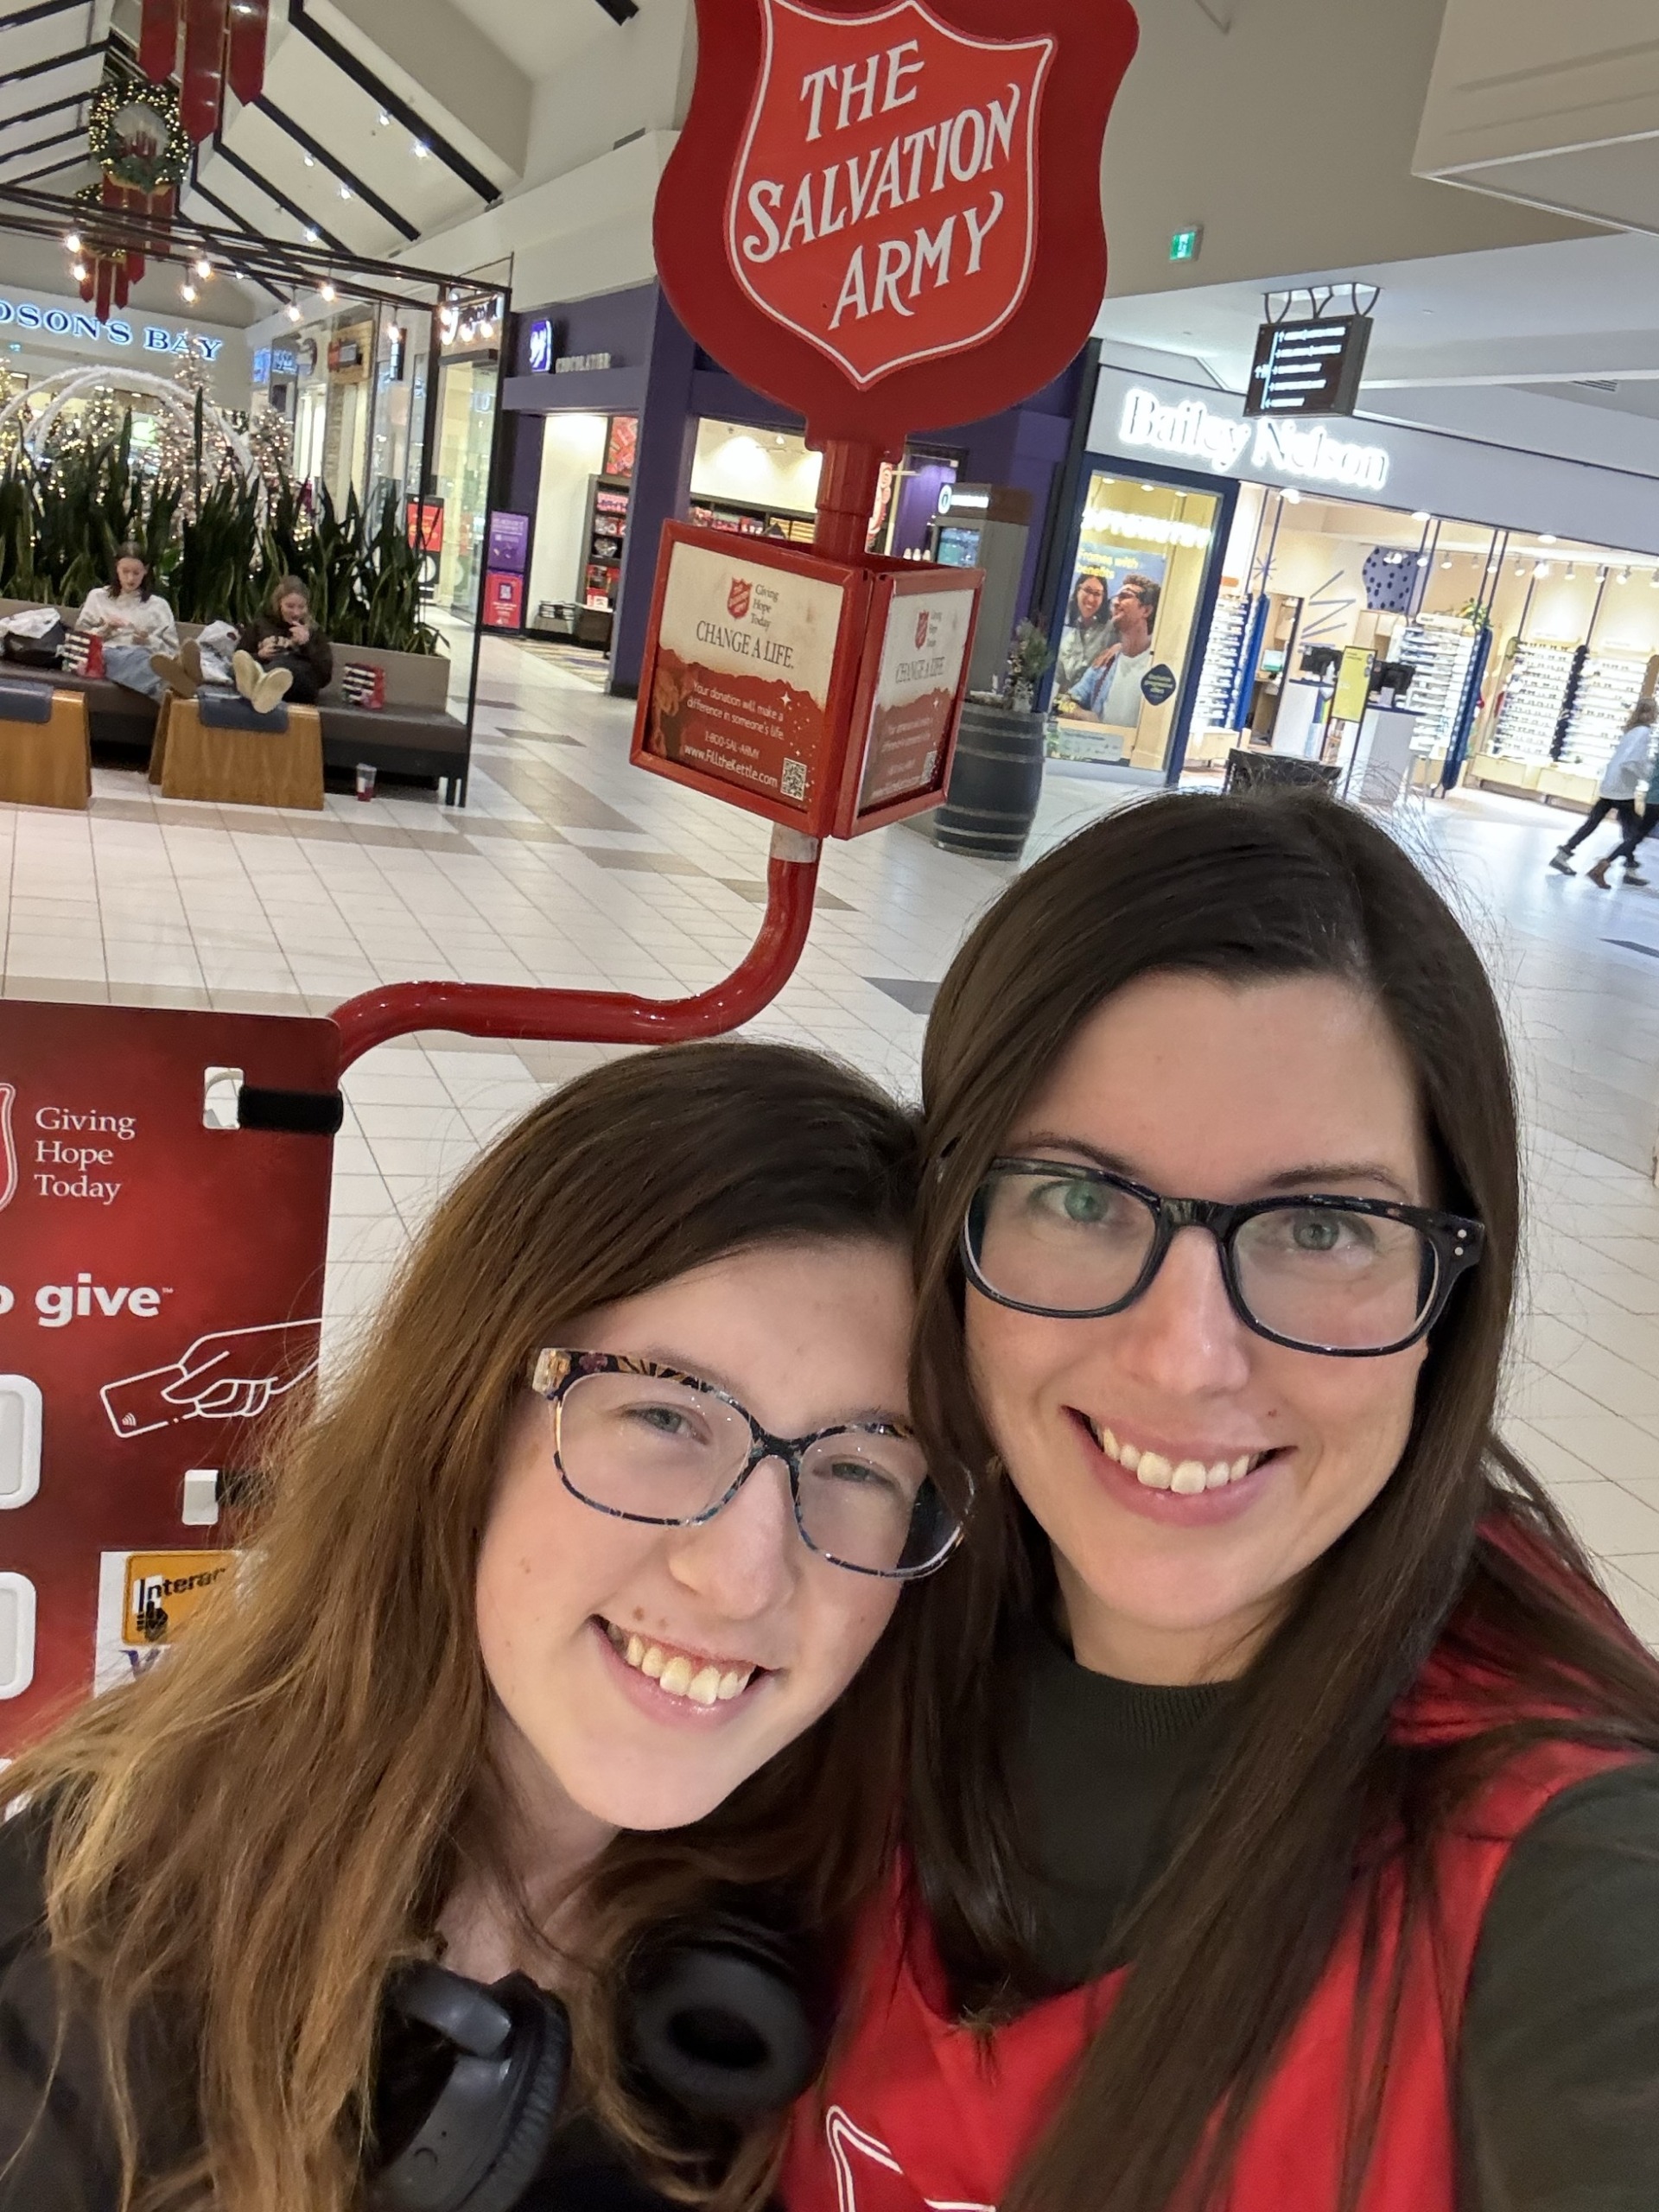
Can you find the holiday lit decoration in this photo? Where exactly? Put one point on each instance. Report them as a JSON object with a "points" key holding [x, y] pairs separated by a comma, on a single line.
{"points": [[271, 441], [134, 134], [223, 43]]}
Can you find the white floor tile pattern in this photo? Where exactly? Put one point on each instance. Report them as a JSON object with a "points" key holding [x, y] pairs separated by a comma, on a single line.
{"points": [[568, 867]]}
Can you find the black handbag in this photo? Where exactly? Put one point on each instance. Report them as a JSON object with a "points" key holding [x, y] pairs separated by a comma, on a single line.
{"points": [[37, 652]]}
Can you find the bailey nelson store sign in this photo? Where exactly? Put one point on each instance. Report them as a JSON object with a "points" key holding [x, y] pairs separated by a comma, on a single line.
{"points": [[1186, 430]]}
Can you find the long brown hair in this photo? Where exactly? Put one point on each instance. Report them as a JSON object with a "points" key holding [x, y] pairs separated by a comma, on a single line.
{"points": [[245, 1842], [1463, 1544]]}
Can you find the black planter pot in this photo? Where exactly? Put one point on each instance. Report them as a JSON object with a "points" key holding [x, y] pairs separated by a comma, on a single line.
{"points": [[996, 781]]}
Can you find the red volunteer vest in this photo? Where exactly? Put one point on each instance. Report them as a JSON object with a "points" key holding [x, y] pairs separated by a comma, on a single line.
{"points": [[919, 2115]]}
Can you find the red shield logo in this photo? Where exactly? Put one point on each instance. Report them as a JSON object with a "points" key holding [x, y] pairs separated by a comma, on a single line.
{"points": [[884, 203], [921, 630], [737, 598]]}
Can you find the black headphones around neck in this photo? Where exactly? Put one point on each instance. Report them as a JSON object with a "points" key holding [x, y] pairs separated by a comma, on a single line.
{"points": [[473, 2077]]}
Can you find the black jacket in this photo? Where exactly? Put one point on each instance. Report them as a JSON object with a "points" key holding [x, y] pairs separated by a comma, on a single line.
{"points": [[317, 653], [56, 2122]]}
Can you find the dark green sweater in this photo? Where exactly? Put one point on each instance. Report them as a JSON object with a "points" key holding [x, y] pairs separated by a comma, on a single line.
{"points": [[1559, 2064]]}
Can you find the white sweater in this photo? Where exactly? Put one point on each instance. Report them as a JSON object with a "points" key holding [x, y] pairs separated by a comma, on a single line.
{"points": [[1626, 773], [133, 621]]}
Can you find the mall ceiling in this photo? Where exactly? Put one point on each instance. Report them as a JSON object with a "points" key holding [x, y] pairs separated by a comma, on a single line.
{"points": [[381, 122]]}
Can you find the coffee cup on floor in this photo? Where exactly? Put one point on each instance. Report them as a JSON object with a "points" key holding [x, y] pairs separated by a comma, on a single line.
{"points": [[365, 775]]}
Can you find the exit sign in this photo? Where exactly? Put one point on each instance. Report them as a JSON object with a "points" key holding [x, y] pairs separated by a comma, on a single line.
{"points": [[1184, 246]]}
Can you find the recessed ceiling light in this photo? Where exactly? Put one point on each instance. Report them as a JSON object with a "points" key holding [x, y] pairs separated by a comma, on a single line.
{"points": [[310, 161], [1547, 537], [385, 120], [345, 191], [1422, 515], [420, 149], [313, 235]]}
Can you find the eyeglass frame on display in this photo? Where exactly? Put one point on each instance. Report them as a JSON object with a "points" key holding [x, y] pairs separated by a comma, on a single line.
{"points": [[1456, 1242], [556, 1370]]}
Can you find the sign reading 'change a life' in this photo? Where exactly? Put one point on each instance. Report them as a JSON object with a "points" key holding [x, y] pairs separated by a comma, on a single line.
{"points": [[884, 203]]}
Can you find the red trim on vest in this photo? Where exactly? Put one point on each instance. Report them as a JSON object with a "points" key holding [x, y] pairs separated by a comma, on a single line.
{"points": [[919, 2115]]}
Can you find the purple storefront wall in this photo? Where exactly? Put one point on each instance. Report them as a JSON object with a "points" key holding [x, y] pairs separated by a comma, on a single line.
{"points": [[658, 374]]}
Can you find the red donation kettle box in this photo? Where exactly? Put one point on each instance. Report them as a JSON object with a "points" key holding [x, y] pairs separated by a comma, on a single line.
{"points": [[884, 217]]}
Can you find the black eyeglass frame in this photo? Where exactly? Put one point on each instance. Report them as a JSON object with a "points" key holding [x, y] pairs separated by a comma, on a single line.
{"points": [[554, 1372], [1456, 1242]]}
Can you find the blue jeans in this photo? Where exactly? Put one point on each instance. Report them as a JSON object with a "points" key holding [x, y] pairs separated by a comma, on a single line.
{"points": [[128, 665]]}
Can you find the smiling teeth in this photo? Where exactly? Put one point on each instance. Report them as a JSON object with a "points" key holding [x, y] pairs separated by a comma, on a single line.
{"points": [[1185, 1477], [699, 1680]]}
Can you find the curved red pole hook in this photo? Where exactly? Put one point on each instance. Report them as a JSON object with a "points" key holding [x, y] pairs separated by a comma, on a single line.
{"points": [[607, 1017]]}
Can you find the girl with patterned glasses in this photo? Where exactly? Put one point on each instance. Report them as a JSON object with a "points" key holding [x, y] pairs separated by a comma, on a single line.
{"points": [[1285, 1817], [554, 1635]]}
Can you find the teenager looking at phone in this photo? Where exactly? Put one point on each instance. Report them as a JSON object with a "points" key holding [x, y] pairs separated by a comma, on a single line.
{"points": [[285, 640], [1285, 1818], [547, 1616]]}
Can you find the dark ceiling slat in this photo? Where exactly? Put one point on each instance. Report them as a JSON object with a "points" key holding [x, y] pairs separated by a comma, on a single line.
{"points": [[274, 193], [620, 11], [52, 168], [37, 14], [198, 189], [348, 177], [53, 61], [34, 114], [361, 75], [40, 145]]}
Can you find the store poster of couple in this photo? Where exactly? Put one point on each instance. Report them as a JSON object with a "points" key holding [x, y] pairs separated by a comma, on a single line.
{"points": [[1107, 652]]}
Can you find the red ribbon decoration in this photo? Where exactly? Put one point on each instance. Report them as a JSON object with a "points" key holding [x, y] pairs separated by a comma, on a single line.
{"points": [[158, 40], [246, 70], [202, 98]]}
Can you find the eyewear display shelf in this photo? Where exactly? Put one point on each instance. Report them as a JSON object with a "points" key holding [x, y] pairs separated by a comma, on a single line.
{"points": [[1610, 687], [1439, 647], [1220, 669], [608, 524], [1533, 700]]}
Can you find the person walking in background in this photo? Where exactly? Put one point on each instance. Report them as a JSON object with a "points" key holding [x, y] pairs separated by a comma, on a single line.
{"points": [[1645, 806], [1626, 774], [284, 639], [135, 623]]}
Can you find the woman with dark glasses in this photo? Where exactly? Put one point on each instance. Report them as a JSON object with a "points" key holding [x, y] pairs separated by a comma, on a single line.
{"points": [[1284, 1820], [494, 1843]]}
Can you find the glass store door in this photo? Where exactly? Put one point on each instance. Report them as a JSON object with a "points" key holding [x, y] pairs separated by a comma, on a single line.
{"points": [[1129, 648]]}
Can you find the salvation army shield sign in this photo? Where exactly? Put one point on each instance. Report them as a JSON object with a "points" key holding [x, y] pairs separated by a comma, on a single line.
{"points": [[888, 218], [883, 206]]}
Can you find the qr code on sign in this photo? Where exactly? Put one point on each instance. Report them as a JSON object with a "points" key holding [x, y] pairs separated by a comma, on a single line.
{"points": [[794, 779]]}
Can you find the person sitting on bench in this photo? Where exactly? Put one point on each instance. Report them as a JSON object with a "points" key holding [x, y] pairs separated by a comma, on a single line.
{"points": [[284, 640], [135, 623]]}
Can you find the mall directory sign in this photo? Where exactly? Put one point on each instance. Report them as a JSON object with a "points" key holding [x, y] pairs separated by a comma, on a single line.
{"points": [[885, 218], [766, 660], [161, 1299]]}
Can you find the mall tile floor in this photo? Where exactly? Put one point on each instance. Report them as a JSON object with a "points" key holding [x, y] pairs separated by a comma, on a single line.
{"points": [[567, 866]]}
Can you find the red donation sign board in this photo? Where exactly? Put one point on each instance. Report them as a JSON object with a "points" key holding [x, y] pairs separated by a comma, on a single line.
{"points": [[884, 217], [765, 661], [160, 1289]]}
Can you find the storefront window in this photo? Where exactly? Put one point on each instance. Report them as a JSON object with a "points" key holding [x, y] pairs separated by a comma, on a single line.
{"points": [[466, 438], [1127, 636]]}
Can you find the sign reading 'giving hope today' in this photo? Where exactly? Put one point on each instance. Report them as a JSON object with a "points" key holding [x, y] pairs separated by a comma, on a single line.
{"points": [[883, 206]]}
